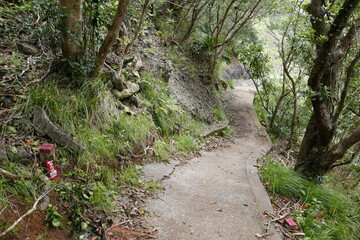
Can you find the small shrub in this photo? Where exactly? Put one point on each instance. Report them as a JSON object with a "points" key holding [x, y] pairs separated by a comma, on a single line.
{"points": [[219, 113], [186, 143], [53, 217], [132, 129], [131, 176], [162, 150], [101, 196]]}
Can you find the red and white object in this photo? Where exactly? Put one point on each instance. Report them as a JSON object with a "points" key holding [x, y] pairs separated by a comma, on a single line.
{"points": [[47, 154], [52, 169], [290, 223]]}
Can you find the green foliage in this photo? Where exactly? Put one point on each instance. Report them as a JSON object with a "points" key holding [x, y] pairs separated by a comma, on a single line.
{"points": [[3, 195], [256, 60], [80, 104], [162, 149], [327, 214], [186, 143], [133, 129], [167, 113], [53, 217], [131, 176], [16, 63], [102, 197], [154, 187], [228, 131], [219, 112], [25, 17], [85, 199], [204, 41]]}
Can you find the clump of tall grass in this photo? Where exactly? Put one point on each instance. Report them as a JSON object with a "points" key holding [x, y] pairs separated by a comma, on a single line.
{"points": [[329, 215]]}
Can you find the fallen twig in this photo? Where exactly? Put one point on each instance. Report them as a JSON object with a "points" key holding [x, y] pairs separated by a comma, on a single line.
{"points": [[119, 224], [258, 235], [29, 211], [27, 66], [275, 219], [10, 175], [145, 152]]}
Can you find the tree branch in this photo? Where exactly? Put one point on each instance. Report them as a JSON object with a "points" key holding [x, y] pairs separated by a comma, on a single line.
{"points": [[349, 74], [339, 149], [28, 212], [9, 174], [138, 28], [323, 56], [110, 37]]}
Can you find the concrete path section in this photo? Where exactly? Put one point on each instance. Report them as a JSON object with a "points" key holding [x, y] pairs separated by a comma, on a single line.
{"points": [[218, 195]]}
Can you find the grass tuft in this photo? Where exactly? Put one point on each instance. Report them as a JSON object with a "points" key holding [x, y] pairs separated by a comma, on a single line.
{"points": [[219, 113], [329, 215], [162, 149], [131, 176], [186, 143]]}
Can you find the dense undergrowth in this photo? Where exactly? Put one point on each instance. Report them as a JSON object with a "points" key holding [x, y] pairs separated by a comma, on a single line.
{"points": [[110, 142], [117, 139], [90, 180], [327, 211]]}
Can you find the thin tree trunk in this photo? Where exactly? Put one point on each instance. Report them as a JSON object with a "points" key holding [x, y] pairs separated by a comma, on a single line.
{"points": [[71, 29], [110, 37]]}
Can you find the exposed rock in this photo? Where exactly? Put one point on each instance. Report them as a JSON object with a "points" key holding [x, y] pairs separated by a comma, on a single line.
{"points": [[234, 71], [110, 105], [117, 81], [193, 94], [22, 155], [215, 128], [131, 90], [44, 204], [138, 63], [136, 75], [190, 91], [26, 48], [45, 127], [112, 59]]}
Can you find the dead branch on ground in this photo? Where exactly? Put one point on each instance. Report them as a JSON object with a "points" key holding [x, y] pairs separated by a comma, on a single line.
{"points": [[29, 211]]}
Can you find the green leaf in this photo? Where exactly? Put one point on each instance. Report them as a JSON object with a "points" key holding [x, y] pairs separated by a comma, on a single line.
{"points": [[14, 150], [55, 222], [11, 130], [84, 226]]}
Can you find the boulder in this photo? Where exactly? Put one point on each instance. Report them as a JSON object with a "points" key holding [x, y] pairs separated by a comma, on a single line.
{"points": [[131, 90], [22, 156], [234, 71]]}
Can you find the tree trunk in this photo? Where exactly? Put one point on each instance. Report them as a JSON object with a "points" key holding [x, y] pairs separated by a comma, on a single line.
{"points": [[315, 156], [71, 30], [110, 37], [313, 150]]}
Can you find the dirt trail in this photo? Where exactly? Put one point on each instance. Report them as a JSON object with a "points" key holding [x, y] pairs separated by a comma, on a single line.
{"points": [[218, 195]]}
